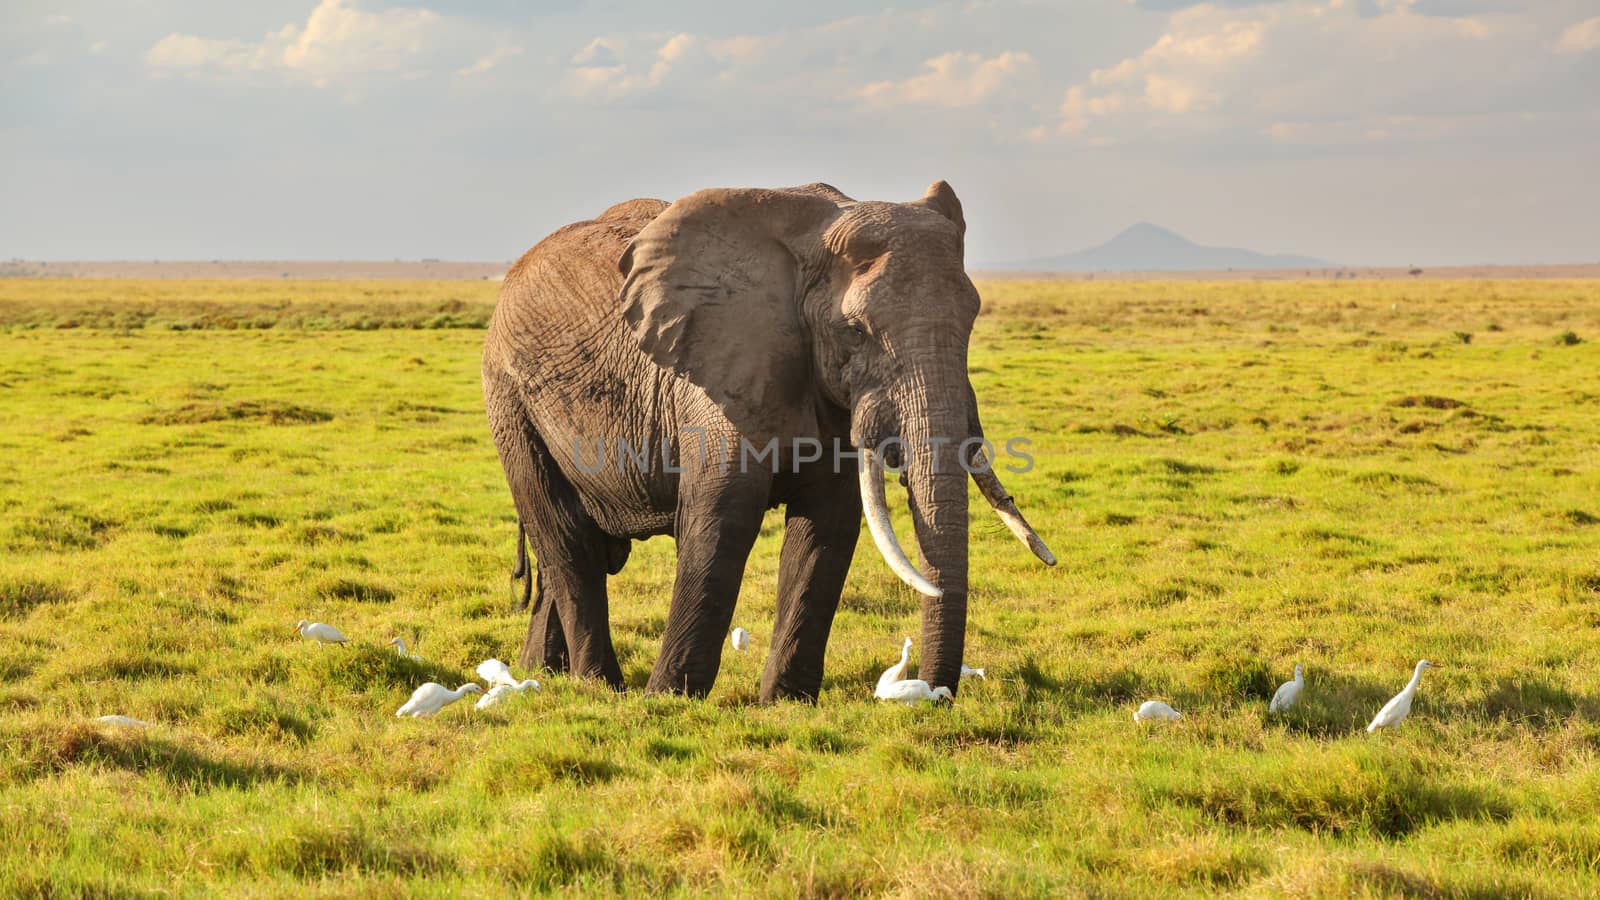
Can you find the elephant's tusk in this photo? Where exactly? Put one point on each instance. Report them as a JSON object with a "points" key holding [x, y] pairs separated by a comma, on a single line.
{"points": [[994, 492], [876, 506]]}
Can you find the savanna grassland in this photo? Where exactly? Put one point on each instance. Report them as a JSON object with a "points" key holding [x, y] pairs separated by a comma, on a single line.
{"points": [[1237, 478]]}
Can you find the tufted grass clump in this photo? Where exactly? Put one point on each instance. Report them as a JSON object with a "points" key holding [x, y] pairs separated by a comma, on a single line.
{"points": [[1295, 474], [268, 412], [19, 596]]}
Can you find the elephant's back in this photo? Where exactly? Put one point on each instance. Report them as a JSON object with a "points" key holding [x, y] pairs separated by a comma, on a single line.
{"points": [[567, 285], [640, 210], [559, 337], [576, 265]]}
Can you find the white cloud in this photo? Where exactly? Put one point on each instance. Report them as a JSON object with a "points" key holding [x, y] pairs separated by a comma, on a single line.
{"points": [[1176, 75], [336, 38], [598, 53], [55, 41], [489, 60], [335, 41], [186, 51], [953, 80], [676, 48], [609, 68], [1581, 37], [822, 66], [746, 50], [1392, 129], [1289, 71], [1171, 94]]}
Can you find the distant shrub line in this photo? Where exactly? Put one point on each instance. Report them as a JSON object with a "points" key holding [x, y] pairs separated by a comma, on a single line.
{"points": [[181, 317]]}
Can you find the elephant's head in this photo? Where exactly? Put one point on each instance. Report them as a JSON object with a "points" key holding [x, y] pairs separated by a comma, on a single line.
{"points": [[797, 304]]}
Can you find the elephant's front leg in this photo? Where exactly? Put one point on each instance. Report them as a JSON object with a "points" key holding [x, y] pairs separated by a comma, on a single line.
{"points": [[719, 517], [819, 540]]}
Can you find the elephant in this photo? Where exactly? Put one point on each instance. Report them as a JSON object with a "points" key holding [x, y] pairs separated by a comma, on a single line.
{"points": [[775, 319]]}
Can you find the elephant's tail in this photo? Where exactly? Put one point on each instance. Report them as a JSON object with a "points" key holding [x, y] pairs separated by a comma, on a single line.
{"points": [[522, 572]]}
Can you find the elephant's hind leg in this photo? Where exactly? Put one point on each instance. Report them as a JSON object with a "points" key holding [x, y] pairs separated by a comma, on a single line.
{"points": [[546, 644], [570, 627]]}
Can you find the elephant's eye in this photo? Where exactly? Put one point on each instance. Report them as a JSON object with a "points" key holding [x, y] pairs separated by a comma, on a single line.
{"points": [[857, 329]]}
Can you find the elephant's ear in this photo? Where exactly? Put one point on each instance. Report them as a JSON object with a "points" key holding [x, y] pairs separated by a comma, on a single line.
{"points": [[941, 198], [711, 292]]}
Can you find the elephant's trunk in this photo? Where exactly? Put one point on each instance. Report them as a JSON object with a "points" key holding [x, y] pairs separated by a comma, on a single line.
{"points": [[936, 422], [937, 488]]}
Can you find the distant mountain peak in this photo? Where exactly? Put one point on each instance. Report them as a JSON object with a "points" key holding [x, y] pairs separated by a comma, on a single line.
{"points": [[1150, 228], [1149, 232], [1147, 247]]}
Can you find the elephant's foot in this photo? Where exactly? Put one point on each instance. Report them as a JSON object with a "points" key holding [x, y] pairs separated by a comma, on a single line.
{"points": [[606, 670], [546, 647], [792, 684], [782, 693], [688, 684]]}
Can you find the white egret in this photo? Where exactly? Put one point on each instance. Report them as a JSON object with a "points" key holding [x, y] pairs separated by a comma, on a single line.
{"points": [[1289, 692], [912, 692], [895, 672], [494, 672], [124, 721], [426, 701], [740, 639], [502, 692], [968, 671], [401, 649], [1395, 711], [320, 633], [1156, 711]]}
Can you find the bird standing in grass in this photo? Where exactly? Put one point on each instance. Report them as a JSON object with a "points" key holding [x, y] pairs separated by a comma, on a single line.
{"points": [[1156, 711], [502, 692], [1395, 711], [320, 633], [740, 639], [494, 672], [912, 692], [967, 670], [400, 649], [123, 721], [894, 673], [426, 701], [1288, 693]]}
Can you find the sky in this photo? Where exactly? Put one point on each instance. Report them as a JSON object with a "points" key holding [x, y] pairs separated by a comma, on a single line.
{"points": [[1368, 132]]}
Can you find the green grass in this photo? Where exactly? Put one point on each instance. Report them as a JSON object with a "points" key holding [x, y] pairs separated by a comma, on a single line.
{"points": [[1237, 477]]}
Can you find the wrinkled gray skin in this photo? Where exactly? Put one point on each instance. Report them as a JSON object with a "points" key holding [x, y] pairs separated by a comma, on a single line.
{"points": [[751, 314]]}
